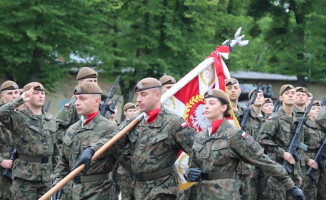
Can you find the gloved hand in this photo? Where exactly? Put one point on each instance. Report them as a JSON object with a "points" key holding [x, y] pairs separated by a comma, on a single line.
{"points": [[193, 174], [57, 195], [85, 158], [297, 193]]}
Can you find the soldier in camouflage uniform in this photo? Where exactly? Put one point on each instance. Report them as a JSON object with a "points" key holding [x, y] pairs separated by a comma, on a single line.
{"points": [[301, 100], [167, 82], [321, 121], [276, 134], [268, 106], [34, 135], [218, 150], [313, 137], [93, 184], [154, 145], [234, 91], [68, 115], [9, 92]]}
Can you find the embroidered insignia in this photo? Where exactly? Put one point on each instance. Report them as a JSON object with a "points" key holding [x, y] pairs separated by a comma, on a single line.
{"points": [[78, 89], [270, 118], [210, 92], [15, 86], [140, 86], [244, 134], [67, 105], [184, 124]]}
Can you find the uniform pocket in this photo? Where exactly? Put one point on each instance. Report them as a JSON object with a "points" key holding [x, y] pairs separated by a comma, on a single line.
{"points": [[220, 151]]}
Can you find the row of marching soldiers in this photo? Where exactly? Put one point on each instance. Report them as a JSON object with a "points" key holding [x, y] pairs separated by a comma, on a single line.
{"points": [[226, 162]]}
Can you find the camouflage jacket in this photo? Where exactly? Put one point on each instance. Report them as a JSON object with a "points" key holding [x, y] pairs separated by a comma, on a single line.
{"points": [[321, 118], [276, 134], [78, 138], [5, 141], [33, 136], [221, 152], [313, 137], [155, 147], [239, 113]]}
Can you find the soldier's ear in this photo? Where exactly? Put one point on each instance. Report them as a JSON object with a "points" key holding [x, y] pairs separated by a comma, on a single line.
{"points": [[280, 98]]}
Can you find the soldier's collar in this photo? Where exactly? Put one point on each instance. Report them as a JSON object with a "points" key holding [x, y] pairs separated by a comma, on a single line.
{"points": [[92, 123], [159, 119]]}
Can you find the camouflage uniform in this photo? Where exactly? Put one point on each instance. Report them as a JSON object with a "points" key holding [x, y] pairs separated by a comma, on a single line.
{"points": [[313, 137], [34, 138], [6, 146], [321, 121], [275, 136], [94, 184], [220, 153], [154, 147]]}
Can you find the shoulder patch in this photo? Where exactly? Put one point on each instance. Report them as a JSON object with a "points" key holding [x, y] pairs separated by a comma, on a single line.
{"points": [[184, 125], [269, 118], [244, 134], [67, 105]]}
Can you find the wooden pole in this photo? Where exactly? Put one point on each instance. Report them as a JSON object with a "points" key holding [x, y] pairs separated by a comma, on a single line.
{"points": [[100, 151]]}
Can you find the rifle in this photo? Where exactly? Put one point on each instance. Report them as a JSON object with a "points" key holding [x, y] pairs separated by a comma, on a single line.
{"points": [[46, 109], [103, 108], [113, 105], [323, 101], [319, 157], [295, 142], [246, 113], [7, 172]]}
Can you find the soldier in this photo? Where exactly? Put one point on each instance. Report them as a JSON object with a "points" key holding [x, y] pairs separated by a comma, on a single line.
{"points": [[321, 121], [167, 82], [234, 91], [137, 108], [112, 116], [276, 134], [218, 150], [93, 184], [9, 92], [268, 106], [301, 100], [129, 110], [34, 135], [154, 145], [313, 138]]}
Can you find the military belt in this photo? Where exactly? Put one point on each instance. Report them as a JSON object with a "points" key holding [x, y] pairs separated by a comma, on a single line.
{"points": [[153, 175], [38, 159], [90, 178], [5, 149], [218, 175]]}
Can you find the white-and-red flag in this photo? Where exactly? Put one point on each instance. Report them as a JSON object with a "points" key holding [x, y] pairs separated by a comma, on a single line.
{"points": [[186, 98]]}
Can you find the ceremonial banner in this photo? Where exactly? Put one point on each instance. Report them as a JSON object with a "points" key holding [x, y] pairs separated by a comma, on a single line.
{"points": [[186, 99]]}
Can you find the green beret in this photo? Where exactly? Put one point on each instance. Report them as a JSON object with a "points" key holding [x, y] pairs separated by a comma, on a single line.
{"points": [[35, 85], [147, 83], [86, 72], [87, 88], [9, 85], [166, 79], [231, 81], [285, 88], [129, 106], [217, 93]]}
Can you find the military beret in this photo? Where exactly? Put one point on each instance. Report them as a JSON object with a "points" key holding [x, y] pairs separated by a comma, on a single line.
{"points": [[252, 92], [302, 89], [285, 88], [309, 94], [316, 103], [86, 72], [87, 88], [217, 93], [21, 91], [166, 79], [268, 100], [147, 83], [231, 81], [128, 106], [9, 85], [35, 85]]}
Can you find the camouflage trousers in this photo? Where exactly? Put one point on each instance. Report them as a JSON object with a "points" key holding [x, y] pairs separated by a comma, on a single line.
{"points": [[247, 186], [97, 190], [31, 190], [276, 190], [321, 195], [5, 188], [309, 186], [261, 184], [126, 186], [116, 182]]}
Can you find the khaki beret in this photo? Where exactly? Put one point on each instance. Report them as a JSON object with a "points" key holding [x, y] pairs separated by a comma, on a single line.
{"points": [[302, 89], [128, 106], [21, 91], [147, 83], [268, 100], [231, 81], [316, 103], [87, 88], [9, 85], [252, 92], [217, 93], [309, 94], [35, 85], [166, 79], [86, 72], [285, 88]]}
